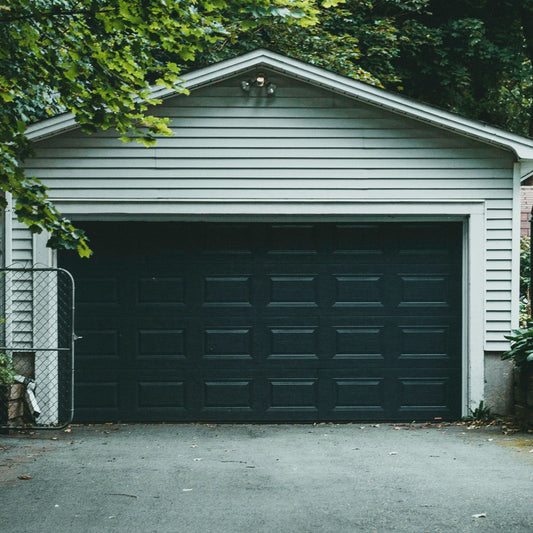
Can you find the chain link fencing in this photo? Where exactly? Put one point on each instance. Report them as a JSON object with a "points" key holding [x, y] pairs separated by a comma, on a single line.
{"points": [[36, 348]]}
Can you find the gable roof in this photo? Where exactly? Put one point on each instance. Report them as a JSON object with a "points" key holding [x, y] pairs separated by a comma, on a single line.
{"points": [[522, 147]]}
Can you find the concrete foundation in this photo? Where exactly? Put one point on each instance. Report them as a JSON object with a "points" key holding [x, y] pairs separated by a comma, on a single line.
{"points": [[498, 384]]}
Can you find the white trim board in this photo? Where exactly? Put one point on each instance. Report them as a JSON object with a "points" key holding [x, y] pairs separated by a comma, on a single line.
{"points": [[168, 210], [522, 147], [472, 214]]}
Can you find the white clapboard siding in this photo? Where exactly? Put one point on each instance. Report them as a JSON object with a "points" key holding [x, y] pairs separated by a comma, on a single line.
{"points": [[19, 325], [306, 144]]}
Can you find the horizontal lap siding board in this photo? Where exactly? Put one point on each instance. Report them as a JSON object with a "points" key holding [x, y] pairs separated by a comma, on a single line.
{"points": [[498, 260], [19, 323], [304, 144]]}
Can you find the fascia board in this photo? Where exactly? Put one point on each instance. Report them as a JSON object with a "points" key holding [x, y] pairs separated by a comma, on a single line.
{"points": [[521, 146], [193, 80], [52, 126], [526, 169]]}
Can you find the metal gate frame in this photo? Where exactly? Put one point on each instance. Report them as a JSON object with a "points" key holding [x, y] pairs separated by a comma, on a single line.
{"points": [[37, 335]]}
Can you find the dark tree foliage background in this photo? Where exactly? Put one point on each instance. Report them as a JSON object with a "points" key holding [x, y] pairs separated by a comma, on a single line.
{"points": [[472, 57]]}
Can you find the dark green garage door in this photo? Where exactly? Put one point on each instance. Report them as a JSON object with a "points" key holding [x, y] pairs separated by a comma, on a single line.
{"points": [[268, 322]]}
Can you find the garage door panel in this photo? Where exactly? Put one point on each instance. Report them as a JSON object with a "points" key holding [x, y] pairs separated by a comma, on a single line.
{"points": [[423, 392], [101, 291], [273, 322], [293, 342], [227, 290], [161, 343], [224, 239], [286, 393], [98, 394], [97, 341], [170, 394], [159, 290], [364, 241], [357, 398], [357, 395], [228, 394], [293, 291], [360, 342], [360, 290], [228, 343], [430, 343]]}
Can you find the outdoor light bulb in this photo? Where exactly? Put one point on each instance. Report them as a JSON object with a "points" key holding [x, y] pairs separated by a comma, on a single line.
{"points": [[245, 85], [260, 80], [271, 89]]}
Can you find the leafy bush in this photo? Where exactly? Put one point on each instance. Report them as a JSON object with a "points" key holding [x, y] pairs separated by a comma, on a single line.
{"points": [[521, 351], [6, 369]]}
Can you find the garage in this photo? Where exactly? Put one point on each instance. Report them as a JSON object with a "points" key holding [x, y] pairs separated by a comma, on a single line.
{"points": [[324, 251], [269, 321]]}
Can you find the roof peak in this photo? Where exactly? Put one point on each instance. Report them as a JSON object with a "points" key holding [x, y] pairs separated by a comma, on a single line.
{"points": [[522, 147]]}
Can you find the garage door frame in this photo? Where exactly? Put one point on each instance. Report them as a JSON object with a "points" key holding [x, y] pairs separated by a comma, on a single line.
{"points": [[472, 214]]}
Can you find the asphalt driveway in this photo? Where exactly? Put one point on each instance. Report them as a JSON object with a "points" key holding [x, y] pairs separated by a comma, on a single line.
{"points": [[266, 478]]}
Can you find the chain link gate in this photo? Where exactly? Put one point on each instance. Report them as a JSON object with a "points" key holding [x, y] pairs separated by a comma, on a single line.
{"points": [[37, 340]]}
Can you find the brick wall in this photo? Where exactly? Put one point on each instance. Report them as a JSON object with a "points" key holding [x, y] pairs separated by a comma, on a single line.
{"points": [[525, 210]]}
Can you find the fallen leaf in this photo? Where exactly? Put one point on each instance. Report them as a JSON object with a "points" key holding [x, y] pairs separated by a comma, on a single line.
{"points": [[396, 428], [197, 458], [25, 476], [480, 515], [186, 490], [393, 453], [194, 445], [67, 430]]}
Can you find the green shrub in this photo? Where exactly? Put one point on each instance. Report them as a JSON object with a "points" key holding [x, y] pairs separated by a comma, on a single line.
{"points": [[521, 351], [481, 413], [6, 369]]}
